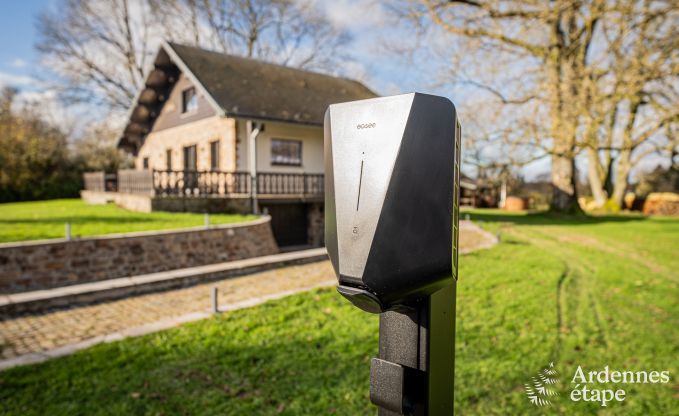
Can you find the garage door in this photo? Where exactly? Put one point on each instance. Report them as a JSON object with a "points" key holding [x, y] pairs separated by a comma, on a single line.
{"points": [[289, 224]]}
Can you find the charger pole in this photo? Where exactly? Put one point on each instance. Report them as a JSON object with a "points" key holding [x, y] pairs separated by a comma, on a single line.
{"points": [[415, 371]]}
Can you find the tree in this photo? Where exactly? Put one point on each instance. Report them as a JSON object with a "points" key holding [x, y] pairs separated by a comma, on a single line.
{"points": [[548, 63], [287, 32], [34, 162], [659, 180], [635, 99], [98, 48], [101, 49], [96, 150]]}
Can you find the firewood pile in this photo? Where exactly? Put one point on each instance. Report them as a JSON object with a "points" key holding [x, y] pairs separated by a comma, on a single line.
{"points": [[662, 203]]}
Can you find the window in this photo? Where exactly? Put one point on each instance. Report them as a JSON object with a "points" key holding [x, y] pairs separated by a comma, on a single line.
{"points": [[190, 158], [168, 159], [286, 152], [189, 100], [214, 155], [145, 162]]}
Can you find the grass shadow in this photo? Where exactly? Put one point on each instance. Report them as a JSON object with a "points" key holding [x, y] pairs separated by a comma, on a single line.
{"points": [[78, 219], [546, 218]]}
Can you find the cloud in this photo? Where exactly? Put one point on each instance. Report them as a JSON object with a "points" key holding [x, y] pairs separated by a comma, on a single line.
{"points": [[353, 70], [14, 80], [37, 96], [352, 15], [18, 63]]}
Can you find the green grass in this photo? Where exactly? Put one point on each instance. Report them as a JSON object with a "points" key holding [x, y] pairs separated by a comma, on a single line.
{"points": [[46, 219], [593, 292]]}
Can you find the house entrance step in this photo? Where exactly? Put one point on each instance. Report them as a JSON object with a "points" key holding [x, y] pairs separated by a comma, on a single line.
{"points": [[41, 300]]}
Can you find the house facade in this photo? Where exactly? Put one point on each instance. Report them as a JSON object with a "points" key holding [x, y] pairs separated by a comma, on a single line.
{"points": [[214, 132]]}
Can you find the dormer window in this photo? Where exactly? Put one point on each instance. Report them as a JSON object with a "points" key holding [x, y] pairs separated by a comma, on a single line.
{"points": [[189, 100]]}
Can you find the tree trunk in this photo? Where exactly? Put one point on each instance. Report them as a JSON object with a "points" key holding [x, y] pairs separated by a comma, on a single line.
{"points": [[621, 176], [608, 180], [595, 183], [564, 196]]}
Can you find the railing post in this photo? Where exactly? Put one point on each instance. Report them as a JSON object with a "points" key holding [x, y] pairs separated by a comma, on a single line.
{"points": [[253, 193], [154, 185]]}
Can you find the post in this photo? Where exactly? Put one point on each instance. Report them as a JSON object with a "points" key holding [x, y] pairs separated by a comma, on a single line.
{"points": [[415, 370], [206, 220], [253, 131], [67, 231], [215, 300]]}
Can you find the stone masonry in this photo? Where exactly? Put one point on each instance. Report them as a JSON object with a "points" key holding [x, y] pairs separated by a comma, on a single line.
{"points": [[45, 264], [316, 224], [36, 333]]}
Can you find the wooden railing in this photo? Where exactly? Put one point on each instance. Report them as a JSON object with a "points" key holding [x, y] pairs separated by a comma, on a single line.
{"points": [[100, 181], [94, 181], [205, 183], [273, 183], [132, 181], [200, 183]]}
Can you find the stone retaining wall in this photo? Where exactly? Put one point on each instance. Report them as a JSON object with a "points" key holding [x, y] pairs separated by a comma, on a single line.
{"points": [[35, 265]]}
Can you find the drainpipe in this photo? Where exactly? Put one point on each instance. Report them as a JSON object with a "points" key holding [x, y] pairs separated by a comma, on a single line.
{"points": [[253, 129]]}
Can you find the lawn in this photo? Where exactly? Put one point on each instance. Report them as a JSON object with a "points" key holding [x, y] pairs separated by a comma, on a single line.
{"points": [[46, 219], [593, 292]]}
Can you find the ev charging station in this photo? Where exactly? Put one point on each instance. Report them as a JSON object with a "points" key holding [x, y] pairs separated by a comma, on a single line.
{"points": [[391, 230]]}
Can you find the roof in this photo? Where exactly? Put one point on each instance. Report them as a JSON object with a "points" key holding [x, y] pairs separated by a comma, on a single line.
{"points": [[239, 87]]}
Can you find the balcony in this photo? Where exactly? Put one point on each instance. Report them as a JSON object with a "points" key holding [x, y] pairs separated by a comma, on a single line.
{"points": [[197, 184]]}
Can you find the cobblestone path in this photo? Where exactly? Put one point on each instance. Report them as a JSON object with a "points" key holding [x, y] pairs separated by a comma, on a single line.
{"points": [[37, 333]]}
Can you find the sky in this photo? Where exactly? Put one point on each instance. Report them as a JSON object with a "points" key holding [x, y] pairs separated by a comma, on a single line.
{"points": [[17, 36], [386, 73]]}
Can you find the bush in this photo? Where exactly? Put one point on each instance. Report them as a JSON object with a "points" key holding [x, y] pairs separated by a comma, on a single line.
{"points": [[34, 162]]}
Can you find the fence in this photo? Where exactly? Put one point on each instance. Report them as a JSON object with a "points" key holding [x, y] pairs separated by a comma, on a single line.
{"points": [[134, 181], [270, 183], [200, 183], [203, 183], [94, 181]]}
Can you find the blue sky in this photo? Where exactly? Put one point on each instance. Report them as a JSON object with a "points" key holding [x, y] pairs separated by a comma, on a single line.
{"points": [[385, 72], [17, 36]]}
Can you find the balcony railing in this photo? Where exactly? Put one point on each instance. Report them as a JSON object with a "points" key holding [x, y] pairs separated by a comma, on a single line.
{"points": [[131, 181], [200, 183], [206, 183], [273, 183]]}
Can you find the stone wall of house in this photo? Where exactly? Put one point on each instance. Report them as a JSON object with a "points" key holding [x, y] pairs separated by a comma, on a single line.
{"points": [[199, 133], [35, 265], [316, 224]]}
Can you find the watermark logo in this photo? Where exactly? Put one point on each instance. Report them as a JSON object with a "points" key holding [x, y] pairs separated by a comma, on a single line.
{"points": [[591, 386], [602, 386], [539, 390]]}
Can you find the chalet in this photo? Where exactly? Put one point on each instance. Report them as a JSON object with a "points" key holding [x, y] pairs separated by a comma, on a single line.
{"points": [[215, 132], [212, 132]]}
